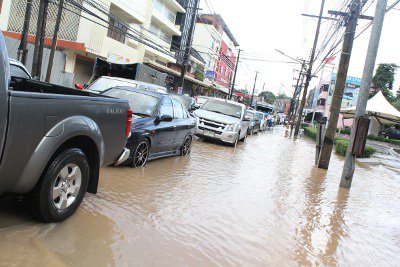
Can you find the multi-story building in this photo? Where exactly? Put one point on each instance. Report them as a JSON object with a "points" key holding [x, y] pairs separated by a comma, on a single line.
{"points": [[216, 44], [125, 31], [194, 76]]}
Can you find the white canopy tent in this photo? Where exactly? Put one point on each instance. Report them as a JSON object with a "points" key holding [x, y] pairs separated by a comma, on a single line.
{"points": [[380, 111]]}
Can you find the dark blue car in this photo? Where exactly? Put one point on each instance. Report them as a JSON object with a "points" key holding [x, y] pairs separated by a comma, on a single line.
{"points": [[161, 125]]}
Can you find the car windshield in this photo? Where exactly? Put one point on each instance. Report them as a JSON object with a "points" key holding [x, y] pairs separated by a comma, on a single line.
{"points": [[223, 108], [103, 84], [142, 105], [186, 101], [250, 115]]}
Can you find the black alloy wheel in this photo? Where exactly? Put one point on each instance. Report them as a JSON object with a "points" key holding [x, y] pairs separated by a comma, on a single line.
{"points": [[141, 154], [186, 146]]}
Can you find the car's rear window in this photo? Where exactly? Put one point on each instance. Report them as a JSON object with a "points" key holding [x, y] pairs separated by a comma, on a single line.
{"points": [[141, 104]]}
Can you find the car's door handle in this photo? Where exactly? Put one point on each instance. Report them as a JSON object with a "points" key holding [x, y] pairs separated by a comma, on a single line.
{"points": [[174, 126]]}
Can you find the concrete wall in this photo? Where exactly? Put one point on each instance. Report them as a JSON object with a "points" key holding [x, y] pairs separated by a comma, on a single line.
{"points": [[57, 74]]}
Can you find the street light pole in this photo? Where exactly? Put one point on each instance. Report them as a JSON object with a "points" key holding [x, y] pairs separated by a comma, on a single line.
{"points": [[349, 164], [308, 75]]}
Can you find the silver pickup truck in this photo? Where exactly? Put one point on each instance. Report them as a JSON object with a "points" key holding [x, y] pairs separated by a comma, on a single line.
{"points": [[223, 120], [53, 141]]}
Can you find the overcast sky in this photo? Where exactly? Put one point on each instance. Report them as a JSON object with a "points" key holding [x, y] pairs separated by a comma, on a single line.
{"points": [[261, 26]]}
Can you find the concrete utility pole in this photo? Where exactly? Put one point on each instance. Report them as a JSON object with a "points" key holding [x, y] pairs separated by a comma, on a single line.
{"points": [[22, 51], [349, 164], [40, 36], [327, 144], [297, 105], [188, 48], [254, 88], [293, 102], [234, 75], [54, 42], [309, 75]]}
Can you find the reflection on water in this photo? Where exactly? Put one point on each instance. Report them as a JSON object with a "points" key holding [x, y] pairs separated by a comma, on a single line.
{"points": [[261, 204]]}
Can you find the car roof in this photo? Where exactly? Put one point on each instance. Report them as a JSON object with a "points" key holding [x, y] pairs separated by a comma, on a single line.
{"points": [[131, 81], [138, 90], [228, 101], [181, 96]]}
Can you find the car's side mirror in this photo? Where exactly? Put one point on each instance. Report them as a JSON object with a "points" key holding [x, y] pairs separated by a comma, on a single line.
{"points": [[166, 118], [246, 118]]}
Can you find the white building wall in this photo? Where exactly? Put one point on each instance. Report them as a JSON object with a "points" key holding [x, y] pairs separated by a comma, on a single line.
{"points": [[207, 41], [5, 14]]}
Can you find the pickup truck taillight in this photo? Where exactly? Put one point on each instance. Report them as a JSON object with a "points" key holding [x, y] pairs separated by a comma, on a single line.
{"points": [[128, 123], [79, 86]]}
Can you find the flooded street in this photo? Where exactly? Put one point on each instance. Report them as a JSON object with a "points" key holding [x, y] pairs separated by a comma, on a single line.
{"points": [[263, 204]]}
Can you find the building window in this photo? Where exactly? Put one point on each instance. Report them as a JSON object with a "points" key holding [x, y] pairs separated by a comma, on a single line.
{"points": [[117, 31], [164, 10], [160, 33]]}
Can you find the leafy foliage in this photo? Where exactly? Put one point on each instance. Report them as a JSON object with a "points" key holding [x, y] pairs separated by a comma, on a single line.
{"points": [[383, 139], [268, 96], [341, 148], [283, 96], [384, 79], [341, 144]]}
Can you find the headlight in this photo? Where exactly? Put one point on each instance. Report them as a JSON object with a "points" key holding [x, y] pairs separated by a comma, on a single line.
{"points": [[233, 127]]}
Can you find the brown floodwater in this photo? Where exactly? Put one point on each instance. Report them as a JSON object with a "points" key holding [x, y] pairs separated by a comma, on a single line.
{"points": [[262, 204]]}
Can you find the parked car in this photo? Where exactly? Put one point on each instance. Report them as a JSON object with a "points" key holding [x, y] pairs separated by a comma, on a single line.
{"points": [[17, 69], [187, 101], [106, 82], [263, 120], [391, 133], [223, 120], [200, 100], [53, 141], [255, 125], [161, 127]]}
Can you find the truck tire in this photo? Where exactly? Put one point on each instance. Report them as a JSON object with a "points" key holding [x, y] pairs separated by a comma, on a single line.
{"points": [[61, 189]]}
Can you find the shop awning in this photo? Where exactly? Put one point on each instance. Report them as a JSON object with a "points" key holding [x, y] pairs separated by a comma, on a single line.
{"points": [[221, 88], [377, 107], [177, 73]]}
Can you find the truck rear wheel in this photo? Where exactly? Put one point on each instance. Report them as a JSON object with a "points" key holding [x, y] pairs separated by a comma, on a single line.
{"points": [[61, 189]]}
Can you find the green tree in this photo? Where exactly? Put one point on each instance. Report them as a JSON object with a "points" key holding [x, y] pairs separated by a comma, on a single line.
{"points": [[282, 96], [384, 79], [268, 96]]}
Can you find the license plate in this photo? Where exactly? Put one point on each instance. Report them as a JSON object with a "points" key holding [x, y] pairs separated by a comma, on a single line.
{"points": [[209, 133]]}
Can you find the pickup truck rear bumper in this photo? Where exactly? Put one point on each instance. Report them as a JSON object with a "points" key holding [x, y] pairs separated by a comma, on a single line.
{"points": [[124, 156]]}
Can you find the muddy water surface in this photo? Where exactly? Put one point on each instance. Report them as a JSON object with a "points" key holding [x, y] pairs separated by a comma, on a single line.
{"points": [[263, 204]]}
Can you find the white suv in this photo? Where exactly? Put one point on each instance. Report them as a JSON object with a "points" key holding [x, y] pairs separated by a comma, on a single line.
{"points": [[223, 120]]}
